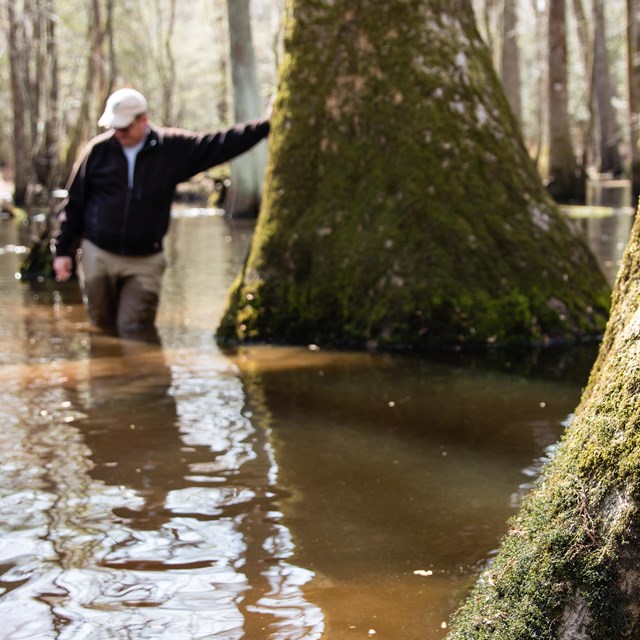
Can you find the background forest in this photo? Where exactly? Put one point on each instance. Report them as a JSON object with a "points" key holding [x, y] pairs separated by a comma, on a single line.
{"points": [[569, 68]]}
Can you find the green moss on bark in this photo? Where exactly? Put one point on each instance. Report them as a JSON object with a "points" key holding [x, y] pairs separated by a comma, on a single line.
{"points": [[401, 208], [568, 567]]}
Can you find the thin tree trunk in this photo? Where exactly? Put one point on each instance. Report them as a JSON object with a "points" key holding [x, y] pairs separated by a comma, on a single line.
{"points": [[47, 152], [610, 160], [510, 67], [20, 151], [542, 92], [169, 76], [247, 171], [163, 57], [586, 50], [633, 60], [222, 30], [562, 162], [95, 86]]}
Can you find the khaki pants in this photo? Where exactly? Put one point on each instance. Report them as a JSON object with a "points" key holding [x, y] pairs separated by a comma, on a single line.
{"points": [[122, 292]]}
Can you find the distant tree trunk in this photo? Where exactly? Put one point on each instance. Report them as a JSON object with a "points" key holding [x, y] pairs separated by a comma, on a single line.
{"points": [[34, 88], [562, 161], [489, 23], [98, 79], [401, 207], [222, 31], [110, 37], [164, 58], [568, 567], [510, 67], [633, 59], [247, 171], [610, 160], [541, 92], [47, 135], [586, 50], [19, 103]]}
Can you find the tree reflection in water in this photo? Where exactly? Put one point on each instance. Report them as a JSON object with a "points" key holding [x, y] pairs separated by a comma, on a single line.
{"points": [[138, 499], [157, 491]]}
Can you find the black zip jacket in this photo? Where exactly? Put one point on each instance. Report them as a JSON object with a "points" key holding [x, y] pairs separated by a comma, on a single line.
{"points": [[133, 220]]}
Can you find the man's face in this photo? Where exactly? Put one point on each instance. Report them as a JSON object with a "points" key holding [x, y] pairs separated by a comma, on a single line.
{"points": [[133, 134]]}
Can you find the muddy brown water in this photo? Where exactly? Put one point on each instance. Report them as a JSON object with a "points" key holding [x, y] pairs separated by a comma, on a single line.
{"points": [[267, 493]]}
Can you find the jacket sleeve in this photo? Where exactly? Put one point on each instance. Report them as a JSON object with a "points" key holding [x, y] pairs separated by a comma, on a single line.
{"points": [[205, 150]]}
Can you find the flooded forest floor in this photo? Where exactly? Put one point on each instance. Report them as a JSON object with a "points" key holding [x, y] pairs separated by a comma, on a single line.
{"points": [[181, 492]]}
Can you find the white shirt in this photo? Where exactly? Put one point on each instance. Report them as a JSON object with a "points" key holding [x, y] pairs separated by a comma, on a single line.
{"points": [[131, 154]]}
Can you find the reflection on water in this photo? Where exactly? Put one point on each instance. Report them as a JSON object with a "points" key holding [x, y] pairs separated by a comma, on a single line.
{"points": [[178, 492], [607, 231]]}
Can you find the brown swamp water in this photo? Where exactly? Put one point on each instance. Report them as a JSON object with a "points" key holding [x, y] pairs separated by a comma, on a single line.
{"points": [[270, 493]]}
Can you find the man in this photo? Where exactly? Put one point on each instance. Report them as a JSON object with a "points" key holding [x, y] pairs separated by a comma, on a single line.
{"points": [[119, 204]]}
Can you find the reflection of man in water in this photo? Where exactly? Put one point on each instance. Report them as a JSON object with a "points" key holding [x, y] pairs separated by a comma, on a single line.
{"points": [[132, 427], [119, 205]]}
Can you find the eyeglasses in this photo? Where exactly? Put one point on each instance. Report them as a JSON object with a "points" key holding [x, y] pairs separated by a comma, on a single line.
{"points": [[126, 129]]}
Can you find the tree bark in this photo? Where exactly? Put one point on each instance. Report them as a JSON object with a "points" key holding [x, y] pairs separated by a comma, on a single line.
{"points": [[402, 210], [610, 160], [47, 146], [633, 61], [586, 50], [18, 99], [163, 58], [510, 67], [247, 171], [98, 81], [568, 568], [562, 183]]}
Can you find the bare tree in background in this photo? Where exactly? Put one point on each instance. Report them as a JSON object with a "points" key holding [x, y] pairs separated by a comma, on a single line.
{"points": [[43, 96], [34, 90], [247, 171], [633, 60], [162, 57], [608, 136], [562, 161], [510, 67], [585, 43], [16, 37], [220, 26], [99, 79], [540, 124]]}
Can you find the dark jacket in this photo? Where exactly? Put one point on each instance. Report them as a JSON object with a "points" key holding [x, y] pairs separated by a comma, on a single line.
{"points": [[133, 220]]}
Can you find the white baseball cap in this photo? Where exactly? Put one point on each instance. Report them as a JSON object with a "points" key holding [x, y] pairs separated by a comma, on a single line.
{"points": [[122, 108]]}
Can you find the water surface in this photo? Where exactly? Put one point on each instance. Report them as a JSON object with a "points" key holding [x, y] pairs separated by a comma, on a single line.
{"points": [[264, 493]]}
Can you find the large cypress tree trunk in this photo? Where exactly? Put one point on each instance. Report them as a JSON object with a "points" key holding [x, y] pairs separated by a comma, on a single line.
{"points": [[402, 209], [568, 568]]}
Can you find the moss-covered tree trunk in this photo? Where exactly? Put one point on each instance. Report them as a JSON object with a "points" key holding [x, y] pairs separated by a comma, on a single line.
{"points": [[569, 567], [401, 209]]}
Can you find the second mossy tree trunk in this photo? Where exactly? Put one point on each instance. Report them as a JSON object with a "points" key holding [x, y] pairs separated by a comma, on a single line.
{"points": [[401, 208], [568, 568]]}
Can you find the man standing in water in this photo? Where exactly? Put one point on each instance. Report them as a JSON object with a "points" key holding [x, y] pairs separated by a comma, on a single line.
{"points": [[119, 205]]}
